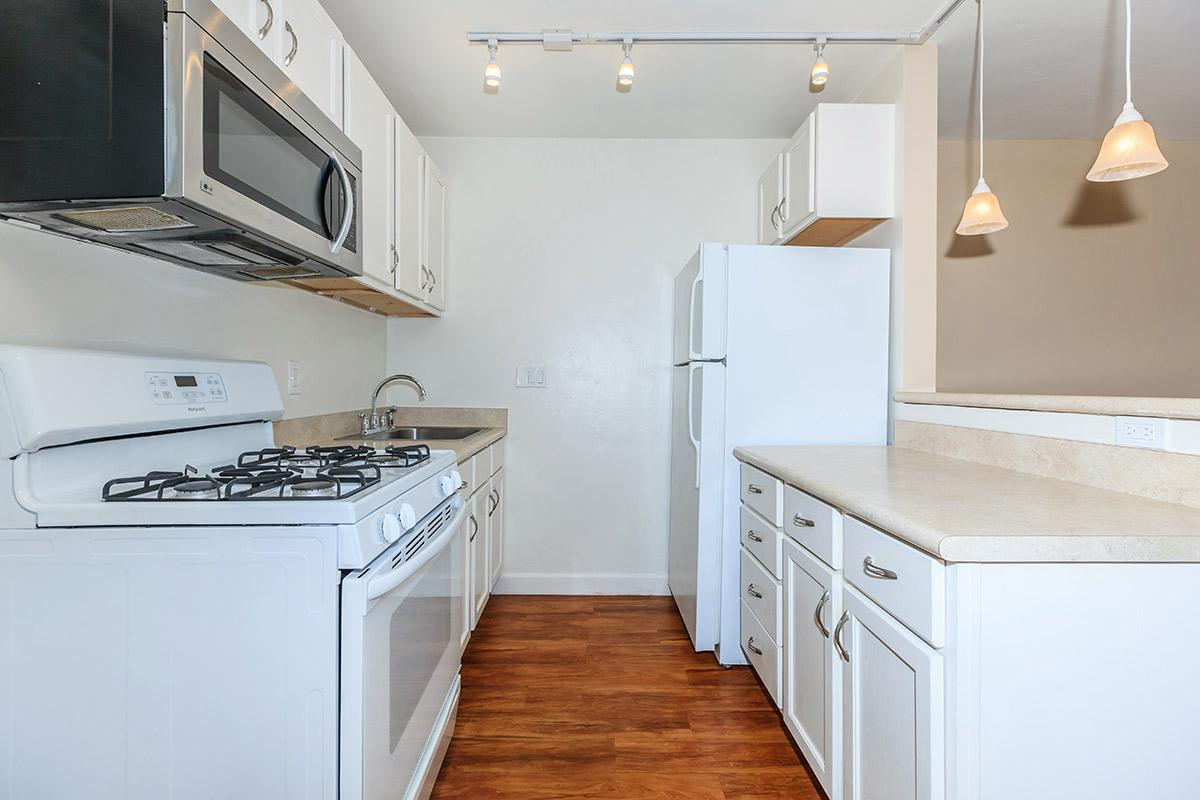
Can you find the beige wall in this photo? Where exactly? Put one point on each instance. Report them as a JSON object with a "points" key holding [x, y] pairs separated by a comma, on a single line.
{"points": [[1094, 289], [563, 254], [58, 291]]}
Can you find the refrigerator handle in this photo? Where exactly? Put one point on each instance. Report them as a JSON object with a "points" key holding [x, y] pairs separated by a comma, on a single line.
{"points": [[692, 354], [692, 369]]}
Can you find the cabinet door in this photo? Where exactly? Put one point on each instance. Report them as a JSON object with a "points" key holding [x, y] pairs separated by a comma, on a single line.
{"points": [[496, 526], [893, 700], [258, 19], [409, 165], [468, 578], [310, 52], [812, 675], [770, 188], [368, 118], [799, 184], [481, 547], [433, 236]]}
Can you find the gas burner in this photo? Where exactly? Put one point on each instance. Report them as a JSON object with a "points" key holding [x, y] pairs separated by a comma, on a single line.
{"points": [[313, 487], [196, 489]]}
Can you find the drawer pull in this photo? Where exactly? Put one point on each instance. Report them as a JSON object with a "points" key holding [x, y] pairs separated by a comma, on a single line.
{"points": [[754, 537], [754, 489], [873, 571], [753, 592], [802, 522], [817, 614], [750, 646], [837, 637]]}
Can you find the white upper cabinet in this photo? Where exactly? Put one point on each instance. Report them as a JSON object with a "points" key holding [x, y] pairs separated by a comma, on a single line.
{"points": [[258, 19], [409, 177], [368, 123], [433, 238], [837, 177], [310, 52]]}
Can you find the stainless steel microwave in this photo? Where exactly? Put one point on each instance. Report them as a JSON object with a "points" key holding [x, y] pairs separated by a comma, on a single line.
{"points": [[162, 129]]}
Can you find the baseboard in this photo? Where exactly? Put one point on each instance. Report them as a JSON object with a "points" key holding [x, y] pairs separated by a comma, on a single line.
{"points": [[558, 583]]}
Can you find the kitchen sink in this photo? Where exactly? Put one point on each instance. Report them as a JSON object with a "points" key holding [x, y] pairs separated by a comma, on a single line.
{"points": [[413, 434]]}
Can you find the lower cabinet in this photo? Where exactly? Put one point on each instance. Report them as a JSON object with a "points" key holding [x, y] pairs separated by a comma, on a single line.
{"points": [[496, 527], [481, 572], [892, 700], [485, 529]]}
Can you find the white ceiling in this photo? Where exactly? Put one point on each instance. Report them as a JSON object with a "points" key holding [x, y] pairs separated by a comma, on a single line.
{"points": [[1048, 75]]}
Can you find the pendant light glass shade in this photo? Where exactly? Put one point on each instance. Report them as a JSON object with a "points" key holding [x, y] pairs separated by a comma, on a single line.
{"points": [[1130, 150], [982, 213]]}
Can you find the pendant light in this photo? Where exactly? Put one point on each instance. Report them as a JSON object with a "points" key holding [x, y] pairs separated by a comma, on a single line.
{"points": [[625, 74], [982, 212], [820, 68], [1130, 149], [491, 73]]}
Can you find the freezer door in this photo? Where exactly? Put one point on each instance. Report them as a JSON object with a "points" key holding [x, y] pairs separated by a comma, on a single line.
{"points": [[699, 332]]}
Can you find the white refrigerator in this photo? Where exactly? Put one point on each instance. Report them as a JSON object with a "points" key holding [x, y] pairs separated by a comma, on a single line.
{"points": [[772, 345]]}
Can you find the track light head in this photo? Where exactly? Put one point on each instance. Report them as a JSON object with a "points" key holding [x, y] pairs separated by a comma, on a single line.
{"points": [[626, 74], [820, 68], [491, 73]]}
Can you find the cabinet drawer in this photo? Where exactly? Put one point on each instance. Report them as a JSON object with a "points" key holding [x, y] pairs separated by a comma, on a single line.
{"points": [[816, 525], [761, 593], [497, 451], [763, 541], [483, 466], [908, 584], [467, 470], [764, 655], [763, 493]]}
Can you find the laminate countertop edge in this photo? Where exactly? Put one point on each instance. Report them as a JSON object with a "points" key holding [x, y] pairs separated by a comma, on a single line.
{"points": [[963, 511]]}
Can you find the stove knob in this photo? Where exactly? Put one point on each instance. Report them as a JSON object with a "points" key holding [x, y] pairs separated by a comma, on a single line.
{"points": [[406, 516], [389, 528], [448, 484]]}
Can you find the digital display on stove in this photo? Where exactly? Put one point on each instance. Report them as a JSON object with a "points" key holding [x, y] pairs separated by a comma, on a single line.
{"points": [[185, 380]]}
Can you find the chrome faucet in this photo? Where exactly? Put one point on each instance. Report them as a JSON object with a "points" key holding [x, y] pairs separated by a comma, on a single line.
{"points": [[372, 423]]}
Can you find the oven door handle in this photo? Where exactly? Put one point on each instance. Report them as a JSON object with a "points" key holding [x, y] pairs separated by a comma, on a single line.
{"points": [[382, 584], [348, 213]]}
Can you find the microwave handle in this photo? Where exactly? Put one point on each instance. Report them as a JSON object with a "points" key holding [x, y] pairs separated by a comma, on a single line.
{"points": [[382, 584], [348, 213]]}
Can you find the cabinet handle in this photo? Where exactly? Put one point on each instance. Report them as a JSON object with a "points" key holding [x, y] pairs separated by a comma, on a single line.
{"points": [[750, 646], [754, 489], [802, 522], [395, 258], [873, 571], [474, 527], [287, 60], [266, 28], [424, 280], [774, 224], [783, 215], [754, 537], [495, 502], [837, 637], [753, 592], [817, 614]]}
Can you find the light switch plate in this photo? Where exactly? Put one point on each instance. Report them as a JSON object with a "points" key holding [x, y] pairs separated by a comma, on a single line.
{"points": [[293, 378], [531, 377]]}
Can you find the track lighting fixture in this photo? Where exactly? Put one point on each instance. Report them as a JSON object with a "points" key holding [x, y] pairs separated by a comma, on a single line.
{"points": [[982, 212], [491, 73], [1130, 149], [820, 68], [625, 74]]}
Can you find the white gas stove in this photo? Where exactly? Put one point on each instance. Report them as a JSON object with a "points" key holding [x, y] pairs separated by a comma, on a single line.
{"points": [[195, 612]]}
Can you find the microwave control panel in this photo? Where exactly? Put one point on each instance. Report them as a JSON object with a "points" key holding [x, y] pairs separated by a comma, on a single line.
{"points": [[173, 388]]}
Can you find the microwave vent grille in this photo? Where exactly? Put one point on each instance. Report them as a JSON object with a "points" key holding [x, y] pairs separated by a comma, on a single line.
{"points": [[127, 219], [280, 273]]}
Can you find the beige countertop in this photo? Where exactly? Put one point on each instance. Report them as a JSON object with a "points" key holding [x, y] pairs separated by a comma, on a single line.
{"points": [[969, 512], [329, 429], [1169, 407]]}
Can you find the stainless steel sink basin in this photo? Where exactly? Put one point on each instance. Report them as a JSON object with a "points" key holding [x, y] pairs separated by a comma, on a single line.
{"points": [[433, 433]]}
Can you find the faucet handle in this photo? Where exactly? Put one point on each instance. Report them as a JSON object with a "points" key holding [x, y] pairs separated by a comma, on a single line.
{"points": [[364, 423], [390, 414]]}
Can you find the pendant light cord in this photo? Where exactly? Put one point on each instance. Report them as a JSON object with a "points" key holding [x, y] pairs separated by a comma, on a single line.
{"points": [[981, 89], [1128, 52]]}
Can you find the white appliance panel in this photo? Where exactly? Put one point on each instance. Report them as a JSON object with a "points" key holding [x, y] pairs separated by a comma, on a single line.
{"points": [[699, 323]]}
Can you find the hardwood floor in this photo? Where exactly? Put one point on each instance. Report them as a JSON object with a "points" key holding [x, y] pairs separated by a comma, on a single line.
{"points": [[603, 697]]}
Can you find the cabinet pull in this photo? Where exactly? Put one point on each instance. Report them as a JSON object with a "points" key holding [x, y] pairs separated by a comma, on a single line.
{"points": [[266, 28], [474, 527], [817, 614], [754, 537], [424, 280], [750, 646], [753, 592], [873, 571], [783, 215], [774, 224], [291, 56], [802, 522], [837, 637], [752, 489], [395, 258]]}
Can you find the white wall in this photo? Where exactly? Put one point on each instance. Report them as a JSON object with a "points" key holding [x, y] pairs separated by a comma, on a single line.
{"points": [[58, 291], [562, 254]]}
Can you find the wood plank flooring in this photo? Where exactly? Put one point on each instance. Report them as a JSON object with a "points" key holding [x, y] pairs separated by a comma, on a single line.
{"points": [[603, 697]]}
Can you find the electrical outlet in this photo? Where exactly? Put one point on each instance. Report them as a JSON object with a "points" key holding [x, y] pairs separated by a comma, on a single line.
{"points": [[531, 377], [293, 378], [1143, 432]]}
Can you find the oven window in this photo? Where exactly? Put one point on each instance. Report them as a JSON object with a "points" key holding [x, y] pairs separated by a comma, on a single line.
{"points": [[249, 147]]}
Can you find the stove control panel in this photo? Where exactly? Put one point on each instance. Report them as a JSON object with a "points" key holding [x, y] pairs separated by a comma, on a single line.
{"points": [[172, 388]]}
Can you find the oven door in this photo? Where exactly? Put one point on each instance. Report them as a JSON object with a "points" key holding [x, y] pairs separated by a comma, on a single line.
{"points": [[402, 619], [241, 151]]}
